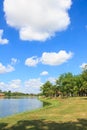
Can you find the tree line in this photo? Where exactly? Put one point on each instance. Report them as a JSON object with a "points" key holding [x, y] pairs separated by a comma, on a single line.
{"points": [[10, 94], [67, 84]]}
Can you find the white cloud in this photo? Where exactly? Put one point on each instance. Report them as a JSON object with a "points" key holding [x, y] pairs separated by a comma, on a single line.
{"points": [[37, 19], [50, 58], [32, 61], [44, 73], [15, 84], [2, 85], [9, 67], [14, 61], [33, 85], [54, 58], [2, 40], [52, 79], [5, 69], [83, 66]]}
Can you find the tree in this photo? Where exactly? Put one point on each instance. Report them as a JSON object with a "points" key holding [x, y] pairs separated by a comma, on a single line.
{"points": [[66, 84], [47, 89], [78, 85], [8, 93], [84, 82]]}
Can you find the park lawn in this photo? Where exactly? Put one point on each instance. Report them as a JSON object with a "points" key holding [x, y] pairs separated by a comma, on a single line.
{"points": [[61, 114]]}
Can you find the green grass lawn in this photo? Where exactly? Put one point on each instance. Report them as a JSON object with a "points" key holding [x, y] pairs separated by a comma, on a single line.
{"points": [[62, 114]]}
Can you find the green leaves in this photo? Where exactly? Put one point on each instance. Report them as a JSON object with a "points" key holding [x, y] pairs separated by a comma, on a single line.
{"points": [[67, 85]]}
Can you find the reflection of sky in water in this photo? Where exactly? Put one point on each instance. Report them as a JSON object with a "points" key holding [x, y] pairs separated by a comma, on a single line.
{"points": [[13, 106]]}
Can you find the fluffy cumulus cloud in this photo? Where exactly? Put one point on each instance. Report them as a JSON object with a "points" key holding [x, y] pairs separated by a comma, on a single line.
{"points": [[16, 85], [13, 85], [83, 66], [37, 19], [50, 58], [44, 73], [6, 69], [32, 61], [33, 85], [3, 40], [54, 58]]}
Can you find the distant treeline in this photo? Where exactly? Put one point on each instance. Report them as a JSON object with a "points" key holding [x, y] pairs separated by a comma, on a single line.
{"points": [[9, 93], [67, 84]]}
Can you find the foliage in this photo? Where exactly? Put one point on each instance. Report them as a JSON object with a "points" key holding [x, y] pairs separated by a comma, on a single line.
{"points": [[67, 85], [9, 93], [47, 89]]}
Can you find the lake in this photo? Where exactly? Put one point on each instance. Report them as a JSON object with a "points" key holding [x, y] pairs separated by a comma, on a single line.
{"points": [[10, 106]]}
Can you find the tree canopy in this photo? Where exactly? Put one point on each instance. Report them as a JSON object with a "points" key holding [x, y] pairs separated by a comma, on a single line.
{"points": [[67, 84]]}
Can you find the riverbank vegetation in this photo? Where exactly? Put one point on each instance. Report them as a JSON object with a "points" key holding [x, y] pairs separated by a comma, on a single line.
{"points": [[67, 85], [62, 114], [14, 94]]}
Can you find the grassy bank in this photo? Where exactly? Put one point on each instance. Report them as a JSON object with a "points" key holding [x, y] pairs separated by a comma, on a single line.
{"points": [[62, 114]]}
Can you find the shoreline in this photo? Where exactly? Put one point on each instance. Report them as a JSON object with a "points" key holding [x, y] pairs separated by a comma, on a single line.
{"points": [[61, 114]]}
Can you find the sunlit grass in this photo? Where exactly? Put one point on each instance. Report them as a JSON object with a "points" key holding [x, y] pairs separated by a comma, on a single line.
{"points": [[62, 114]]}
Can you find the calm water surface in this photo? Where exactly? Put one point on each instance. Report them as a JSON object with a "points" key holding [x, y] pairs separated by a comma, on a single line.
{"points": [[17, 105]]}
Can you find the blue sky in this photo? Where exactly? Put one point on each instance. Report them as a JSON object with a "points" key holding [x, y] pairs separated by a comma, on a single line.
{"points": [[39, 40]]}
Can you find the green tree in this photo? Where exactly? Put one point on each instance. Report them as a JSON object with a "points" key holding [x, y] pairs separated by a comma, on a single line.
{"points": [[78, 85], [66, 84], [47, 89], [84, 82]]}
